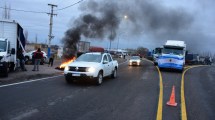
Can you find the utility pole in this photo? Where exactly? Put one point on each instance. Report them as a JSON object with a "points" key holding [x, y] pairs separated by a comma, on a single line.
{"points": [[50, 36], [36, 38], [111, 36]]}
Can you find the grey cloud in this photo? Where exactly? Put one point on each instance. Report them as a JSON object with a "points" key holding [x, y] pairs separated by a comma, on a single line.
{"points": [[102, 19]]}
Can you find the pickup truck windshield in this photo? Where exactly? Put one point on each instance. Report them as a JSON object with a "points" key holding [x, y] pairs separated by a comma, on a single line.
{"points": [[3, 46], [173, 51], [135, 57], [90, 58]]}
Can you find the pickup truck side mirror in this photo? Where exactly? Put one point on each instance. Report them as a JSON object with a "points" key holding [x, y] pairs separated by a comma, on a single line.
{"points": [[105, 62], [13, 51]]}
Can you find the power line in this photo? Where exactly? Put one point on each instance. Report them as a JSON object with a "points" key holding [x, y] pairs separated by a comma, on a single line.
{"points": [[41, 12], [69, 6], [60, 2], [24, 10]]}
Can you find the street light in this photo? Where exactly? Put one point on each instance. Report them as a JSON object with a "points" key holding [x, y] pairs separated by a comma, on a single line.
{"points": [[118, 39]]}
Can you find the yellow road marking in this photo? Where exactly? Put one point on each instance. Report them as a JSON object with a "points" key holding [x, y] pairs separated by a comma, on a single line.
{"points": [[183, 105], [186, 67], [160, 101]]}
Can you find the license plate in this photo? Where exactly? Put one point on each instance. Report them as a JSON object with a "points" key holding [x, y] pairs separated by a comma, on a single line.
{"points": [[75, 74]]}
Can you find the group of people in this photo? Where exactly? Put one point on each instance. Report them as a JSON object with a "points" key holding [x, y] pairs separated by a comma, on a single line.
{"points": [[37, 57]]}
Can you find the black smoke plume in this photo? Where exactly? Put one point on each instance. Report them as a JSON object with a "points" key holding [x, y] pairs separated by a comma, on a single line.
{"points": [[101, 19], [98, 25]]}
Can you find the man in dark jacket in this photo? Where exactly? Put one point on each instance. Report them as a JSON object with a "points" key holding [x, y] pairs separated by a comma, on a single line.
{"points": [[38, 55], [51, 60], [21, 60]]}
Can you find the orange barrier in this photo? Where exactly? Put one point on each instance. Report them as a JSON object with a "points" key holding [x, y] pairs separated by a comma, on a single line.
{"points": [[171, 101]]}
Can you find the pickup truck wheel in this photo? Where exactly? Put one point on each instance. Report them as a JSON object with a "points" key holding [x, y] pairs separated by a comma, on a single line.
{"points": [[114, 74], [99, 79], [69, 80]]}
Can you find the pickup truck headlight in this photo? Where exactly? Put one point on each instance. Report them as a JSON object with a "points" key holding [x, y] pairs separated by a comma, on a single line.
{"points": [[91, 69], [66, 68]]}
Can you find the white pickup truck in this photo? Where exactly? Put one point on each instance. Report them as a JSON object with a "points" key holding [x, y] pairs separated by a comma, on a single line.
{"points": [[93, 65]]}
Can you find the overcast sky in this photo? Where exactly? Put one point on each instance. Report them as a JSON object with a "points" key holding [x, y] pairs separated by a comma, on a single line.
{"points": [[195, 25]]}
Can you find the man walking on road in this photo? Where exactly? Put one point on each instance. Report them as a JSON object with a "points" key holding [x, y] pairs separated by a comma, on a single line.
{"points": [[38, 55], [51, 60], [21, 60]]}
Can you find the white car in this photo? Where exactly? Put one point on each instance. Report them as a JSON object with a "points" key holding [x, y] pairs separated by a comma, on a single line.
{"points": [[92, 65], [28, 56], [134, 60]]}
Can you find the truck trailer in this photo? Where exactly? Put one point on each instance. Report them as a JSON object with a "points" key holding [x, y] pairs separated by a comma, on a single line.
{"points": [[11, 40], [173, 55]]}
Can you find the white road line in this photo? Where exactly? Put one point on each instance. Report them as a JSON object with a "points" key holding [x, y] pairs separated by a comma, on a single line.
{"points": [[26, 114], [28, 81]]}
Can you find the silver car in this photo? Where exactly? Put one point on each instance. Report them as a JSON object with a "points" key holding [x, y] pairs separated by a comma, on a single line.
{"points": [[135, 60]]}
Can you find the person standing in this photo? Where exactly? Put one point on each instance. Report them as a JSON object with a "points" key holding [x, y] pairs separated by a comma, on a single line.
{"points": [[38, 55], [51, 60], [21, 60]]}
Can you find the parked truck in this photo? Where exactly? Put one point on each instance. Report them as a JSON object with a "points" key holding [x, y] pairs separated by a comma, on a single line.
{"points": [[96, 49], [11, 40], [82, 47], [173, 55], [191, 59]]}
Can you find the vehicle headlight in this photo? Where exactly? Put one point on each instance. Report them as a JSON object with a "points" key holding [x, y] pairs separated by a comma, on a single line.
{"points": [[130, 61], [66, 68], [138, 61], [91, 69]]}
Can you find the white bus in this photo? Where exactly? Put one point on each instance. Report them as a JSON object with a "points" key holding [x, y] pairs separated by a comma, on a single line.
{"points": [[173, 55]]}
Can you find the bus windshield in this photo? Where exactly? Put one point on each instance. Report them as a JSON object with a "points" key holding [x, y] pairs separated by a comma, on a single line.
{"points": [[173, 51]]}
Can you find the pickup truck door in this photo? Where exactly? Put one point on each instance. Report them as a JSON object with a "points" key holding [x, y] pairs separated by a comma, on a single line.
{"points": [[105, 63], [111, 65]]}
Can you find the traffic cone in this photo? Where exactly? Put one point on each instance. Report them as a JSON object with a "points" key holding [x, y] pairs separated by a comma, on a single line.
{"points": [[171, 101]]}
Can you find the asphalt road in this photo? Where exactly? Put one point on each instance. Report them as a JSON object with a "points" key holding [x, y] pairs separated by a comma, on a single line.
{"points": [[200, 93], [171, 78], [133, 95]]}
